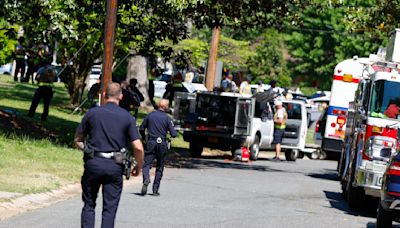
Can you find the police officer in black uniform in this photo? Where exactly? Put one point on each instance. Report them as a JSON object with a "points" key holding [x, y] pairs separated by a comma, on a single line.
{"points": [[106, 130], [158, 125]]}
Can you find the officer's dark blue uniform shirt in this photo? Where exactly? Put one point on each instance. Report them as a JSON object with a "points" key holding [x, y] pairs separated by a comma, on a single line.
{"points": [[103, 126], [158, 124]]}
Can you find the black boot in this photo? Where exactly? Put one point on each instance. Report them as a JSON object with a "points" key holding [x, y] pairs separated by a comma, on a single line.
{"points": [[144, 189]]}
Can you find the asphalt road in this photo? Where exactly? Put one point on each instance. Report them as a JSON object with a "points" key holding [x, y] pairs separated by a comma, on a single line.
{"points": [[214, 192]]}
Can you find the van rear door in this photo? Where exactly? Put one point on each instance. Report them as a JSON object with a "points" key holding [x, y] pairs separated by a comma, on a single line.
{"points": [[184, 110], [244, 115]]}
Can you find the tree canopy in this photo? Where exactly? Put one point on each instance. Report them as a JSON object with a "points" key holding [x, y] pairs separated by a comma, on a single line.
{"points": [[308, 39]]}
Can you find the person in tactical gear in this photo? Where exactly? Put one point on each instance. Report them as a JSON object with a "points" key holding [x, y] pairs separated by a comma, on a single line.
{"points": [[19, 57], [158, 124], [45, 77], [103, 142], [134, 90], [174, 86]]}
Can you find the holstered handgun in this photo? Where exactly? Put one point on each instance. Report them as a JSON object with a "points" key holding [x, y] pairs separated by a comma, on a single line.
{"points": [[88, 153], [129, 164], [120, 156]]}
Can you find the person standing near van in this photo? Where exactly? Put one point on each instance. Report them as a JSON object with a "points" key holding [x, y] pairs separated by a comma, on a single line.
{"points": [[280, 119]]}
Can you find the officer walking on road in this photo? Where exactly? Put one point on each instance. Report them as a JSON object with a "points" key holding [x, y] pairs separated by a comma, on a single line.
{"points": [[158, 125], [106, 130]]}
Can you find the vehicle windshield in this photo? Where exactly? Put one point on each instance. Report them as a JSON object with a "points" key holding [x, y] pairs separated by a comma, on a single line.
{"points": [[385, 101]]}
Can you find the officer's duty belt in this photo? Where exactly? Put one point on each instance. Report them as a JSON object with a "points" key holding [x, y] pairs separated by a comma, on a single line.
{"points": [[104, 154], [157, 139]]}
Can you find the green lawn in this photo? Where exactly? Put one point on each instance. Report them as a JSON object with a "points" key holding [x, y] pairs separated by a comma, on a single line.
{"points": [[32, 162]]}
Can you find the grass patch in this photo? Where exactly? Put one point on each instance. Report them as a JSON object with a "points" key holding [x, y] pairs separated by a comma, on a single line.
{"points": [[31, 166], [36, 156]]}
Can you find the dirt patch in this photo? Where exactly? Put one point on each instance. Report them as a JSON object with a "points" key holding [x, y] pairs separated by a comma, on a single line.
{"points": [[11, 122]]}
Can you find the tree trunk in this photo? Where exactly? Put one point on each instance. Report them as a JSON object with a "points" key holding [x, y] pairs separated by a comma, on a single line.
{"points": [[76, 93], [212, 58], [137, 68], [109, 32]]}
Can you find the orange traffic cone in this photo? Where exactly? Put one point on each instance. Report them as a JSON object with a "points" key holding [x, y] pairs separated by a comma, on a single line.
{"points": [[245, 154]]}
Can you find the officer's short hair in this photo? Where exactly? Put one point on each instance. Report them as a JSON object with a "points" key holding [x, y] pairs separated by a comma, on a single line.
{"points": [[113, 90]]}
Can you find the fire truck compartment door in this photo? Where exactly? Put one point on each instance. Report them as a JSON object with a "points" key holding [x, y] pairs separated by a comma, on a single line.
{"points": [[244, 115]]}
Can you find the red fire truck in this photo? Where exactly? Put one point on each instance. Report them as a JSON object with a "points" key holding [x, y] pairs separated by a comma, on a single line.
{"points": [[371, 132]]}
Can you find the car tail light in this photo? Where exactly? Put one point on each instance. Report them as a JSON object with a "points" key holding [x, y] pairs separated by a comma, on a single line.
{"points": [[394, 169], [388, 144], [202, 128], [394, 193], [317, 127]]}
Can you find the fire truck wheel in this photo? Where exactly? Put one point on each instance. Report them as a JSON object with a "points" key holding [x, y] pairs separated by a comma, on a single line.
{"points": [[322, 155], [301, 155], [355, 195], [314, 155], [195, 149], [291, 155], [255, 149], [384, 218]]}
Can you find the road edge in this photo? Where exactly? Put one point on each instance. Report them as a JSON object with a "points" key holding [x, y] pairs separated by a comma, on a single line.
{"points": [[30, 202]]}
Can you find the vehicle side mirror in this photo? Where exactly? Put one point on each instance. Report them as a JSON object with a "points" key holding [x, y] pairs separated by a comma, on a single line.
{"points": [[361, 110], [364, 121]]}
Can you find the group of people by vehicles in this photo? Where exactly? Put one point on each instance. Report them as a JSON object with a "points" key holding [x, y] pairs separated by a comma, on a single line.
{"points": [[31, 58]]}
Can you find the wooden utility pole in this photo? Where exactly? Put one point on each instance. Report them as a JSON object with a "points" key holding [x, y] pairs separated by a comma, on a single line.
{"points": [[109, 32], [212, 58]]}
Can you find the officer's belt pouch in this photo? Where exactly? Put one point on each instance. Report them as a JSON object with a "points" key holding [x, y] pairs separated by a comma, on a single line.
{"points": [[119, 157], [88, 153]]}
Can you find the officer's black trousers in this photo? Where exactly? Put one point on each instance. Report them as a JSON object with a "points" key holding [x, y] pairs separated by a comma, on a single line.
{"points": [[19, 68], [157, 151], [29, 73], [45, 92], [105, 172]]}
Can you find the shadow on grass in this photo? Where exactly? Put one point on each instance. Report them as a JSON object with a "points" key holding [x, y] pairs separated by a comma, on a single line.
{"points": [[24, 92], [180, 158], [15, 123]]}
